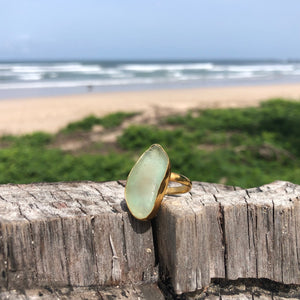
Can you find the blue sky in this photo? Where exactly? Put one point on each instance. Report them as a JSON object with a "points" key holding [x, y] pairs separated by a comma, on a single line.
{"points": [[135, 29]]}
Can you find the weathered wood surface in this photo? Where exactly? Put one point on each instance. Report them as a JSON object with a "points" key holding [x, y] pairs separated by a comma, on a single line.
{"points": [[236, 291], [132, 292], [78, 240], [71, 234], [254, 289], [224, 232]]}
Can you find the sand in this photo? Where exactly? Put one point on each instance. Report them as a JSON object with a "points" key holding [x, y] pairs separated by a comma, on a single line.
{"points": [[49, 114]]}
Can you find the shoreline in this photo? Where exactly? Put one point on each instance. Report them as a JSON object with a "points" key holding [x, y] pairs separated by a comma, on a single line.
{"points": [[58, 91], [49, 114]]}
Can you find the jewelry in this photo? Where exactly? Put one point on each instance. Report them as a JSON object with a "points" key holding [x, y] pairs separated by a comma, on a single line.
{"points": [[147, 183]]}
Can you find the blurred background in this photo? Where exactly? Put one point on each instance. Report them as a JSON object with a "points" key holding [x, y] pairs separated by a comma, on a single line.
{"points": [[85, 88]]}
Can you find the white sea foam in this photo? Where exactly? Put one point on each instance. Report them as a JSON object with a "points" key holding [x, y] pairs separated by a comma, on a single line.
{"points": [[76, 68], [260, 68], [66, 84], [242, 75], [31, 77], [76, 74], [166, 67]]}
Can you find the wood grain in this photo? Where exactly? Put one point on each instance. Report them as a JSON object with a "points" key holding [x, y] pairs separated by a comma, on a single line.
{"points": [[71, 234], [132, 292], [77, 240], [218, 231]]}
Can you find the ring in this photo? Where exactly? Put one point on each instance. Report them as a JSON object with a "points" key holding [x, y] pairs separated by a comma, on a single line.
{"points": [[147, 183]]}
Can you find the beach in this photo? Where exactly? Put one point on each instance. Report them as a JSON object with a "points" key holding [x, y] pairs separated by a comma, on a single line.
{"points": [[49, 114]]}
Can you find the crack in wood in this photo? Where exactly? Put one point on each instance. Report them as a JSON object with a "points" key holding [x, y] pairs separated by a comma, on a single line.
{"points": [[203, 188], [24, 190], [116, 269], [122, 183], [65, 251], [103, 198], [124, 236], [255, 242], [297, 247], [273, 238], [79, 203], [196, 232], [3, 199], [4, 273], [32, 244], [221, 220], [248, 224], [198, 198], [94, 248]]}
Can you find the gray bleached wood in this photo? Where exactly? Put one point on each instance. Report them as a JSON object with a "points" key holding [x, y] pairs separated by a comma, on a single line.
{"points": [[71, 234], [218, 231], [132, 292], [78, 239]]}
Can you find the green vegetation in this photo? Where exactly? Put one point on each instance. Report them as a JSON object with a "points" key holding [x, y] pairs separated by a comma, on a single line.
{"points": [[110, 121], [36, 139], [245, 147], [31, 164]]}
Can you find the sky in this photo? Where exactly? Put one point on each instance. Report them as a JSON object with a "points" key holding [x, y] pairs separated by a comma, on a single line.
{"points": [[137, 30]]}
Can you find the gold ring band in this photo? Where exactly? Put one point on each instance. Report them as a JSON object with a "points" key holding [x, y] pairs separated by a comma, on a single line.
{"points": [[147, 183], [185, 186]]}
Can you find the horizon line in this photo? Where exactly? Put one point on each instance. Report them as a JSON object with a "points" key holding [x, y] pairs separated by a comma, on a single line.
{"points": [[151, 60]]}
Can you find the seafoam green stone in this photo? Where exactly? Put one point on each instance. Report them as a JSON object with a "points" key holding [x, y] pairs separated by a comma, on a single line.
{"points": [[144, 181]]}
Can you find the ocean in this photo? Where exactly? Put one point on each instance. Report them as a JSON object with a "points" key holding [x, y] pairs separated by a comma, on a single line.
{"points": [[47, 78]]}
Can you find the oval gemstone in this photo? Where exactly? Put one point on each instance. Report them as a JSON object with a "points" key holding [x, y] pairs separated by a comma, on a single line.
{"points": [[144, 181]]}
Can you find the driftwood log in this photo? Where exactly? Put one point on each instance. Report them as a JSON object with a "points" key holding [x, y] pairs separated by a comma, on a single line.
{"points": [[78, 241]]}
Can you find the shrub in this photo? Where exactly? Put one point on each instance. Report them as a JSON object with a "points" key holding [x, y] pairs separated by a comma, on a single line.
{"points": [[110, 121]]}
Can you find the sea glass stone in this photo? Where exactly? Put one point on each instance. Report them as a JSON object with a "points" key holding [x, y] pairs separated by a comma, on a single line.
{"points": [[144, 181]]}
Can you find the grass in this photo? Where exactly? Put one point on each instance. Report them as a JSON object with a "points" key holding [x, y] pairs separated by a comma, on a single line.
{"points": [[110, 121], [245, 147], [30, 164]]}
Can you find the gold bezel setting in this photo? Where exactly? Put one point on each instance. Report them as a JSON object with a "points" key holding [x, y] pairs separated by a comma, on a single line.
{"points": [[163, 189]]}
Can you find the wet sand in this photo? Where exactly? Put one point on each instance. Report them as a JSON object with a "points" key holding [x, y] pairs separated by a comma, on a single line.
{"points": [[18, 116]]}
